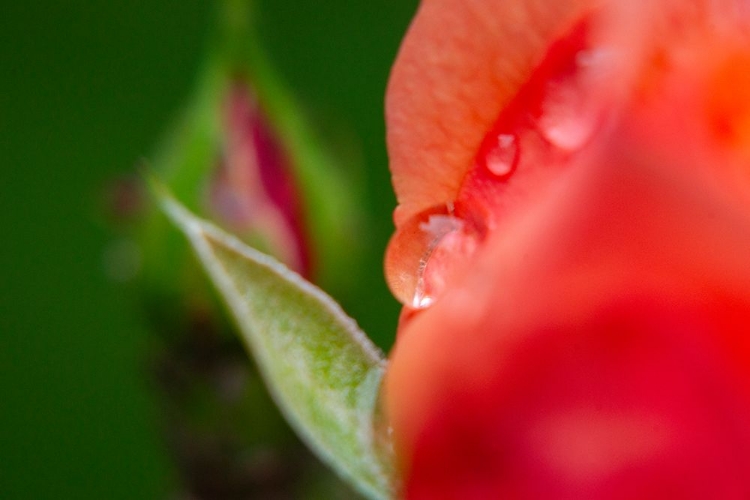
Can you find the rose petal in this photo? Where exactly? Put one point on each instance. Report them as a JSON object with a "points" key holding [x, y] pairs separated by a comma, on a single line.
{"points": [[459, 65]]}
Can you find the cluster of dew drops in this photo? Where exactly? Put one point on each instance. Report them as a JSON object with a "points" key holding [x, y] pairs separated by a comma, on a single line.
{"points": [[556, 104]]}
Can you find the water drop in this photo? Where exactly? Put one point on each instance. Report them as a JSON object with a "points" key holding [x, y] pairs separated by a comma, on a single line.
{"points": [[570, 112], [430, 280], [425, 253], [565, 121], [503, 155]]}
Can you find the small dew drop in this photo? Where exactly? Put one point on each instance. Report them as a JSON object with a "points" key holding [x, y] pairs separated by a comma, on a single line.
{"points": [[502, 157], [570, 113], [566, 120]]}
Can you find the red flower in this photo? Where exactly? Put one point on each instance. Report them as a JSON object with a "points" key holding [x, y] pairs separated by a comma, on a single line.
{"points": [[572, 247]]}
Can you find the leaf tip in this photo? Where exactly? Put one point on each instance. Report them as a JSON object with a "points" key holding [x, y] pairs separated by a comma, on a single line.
{"points": [[177, 213]]}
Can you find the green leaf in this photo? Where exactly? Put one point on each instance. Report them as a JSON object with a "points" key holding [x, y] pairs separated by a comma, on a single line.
{"points": [[323, 371]]}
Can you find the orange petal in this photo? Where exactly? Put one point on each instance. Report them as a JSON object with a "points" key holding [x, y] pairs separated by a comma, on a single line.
{"points": [[459, 65]]}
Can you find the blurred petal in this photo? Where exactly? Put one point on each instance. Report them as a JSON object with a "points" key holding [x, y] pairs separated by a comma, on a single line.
{"points": [[596, 348]]}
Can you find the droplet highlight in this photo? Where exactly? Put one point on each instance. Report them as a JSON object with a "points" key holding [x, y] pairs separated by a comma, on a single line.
{"points": [[502, 157], [565, 121], [430, 279], [570, 111]]}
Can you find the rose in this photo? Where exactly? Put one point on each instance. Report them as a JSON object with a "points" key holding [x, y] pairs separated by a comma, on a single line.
{"points": [[571, 248]]}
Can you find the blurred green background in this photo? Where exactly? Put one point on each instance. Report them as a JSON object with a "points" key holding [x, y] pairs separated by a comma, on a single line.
{"points": [[87, 90]]}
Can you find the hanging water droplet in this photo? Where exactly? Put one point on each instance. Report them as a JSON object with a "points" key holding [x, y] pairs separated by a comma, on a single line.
{"points": [[429, 280], [503, 155], [425, 254]]}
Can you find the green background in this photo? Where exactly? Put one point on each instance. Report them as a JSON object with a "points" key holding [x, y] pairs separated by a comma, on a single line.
{"points": [[86, 91]]}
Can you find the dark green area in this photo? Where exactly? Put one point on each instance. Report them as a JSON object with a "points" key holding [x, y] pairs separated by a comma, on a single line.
{"points": [[87, 88]]}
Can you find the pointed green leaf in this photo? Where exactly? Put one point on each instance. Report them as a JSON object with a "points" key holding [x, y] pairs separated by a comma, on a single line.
{"points": [[323, 371]]}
